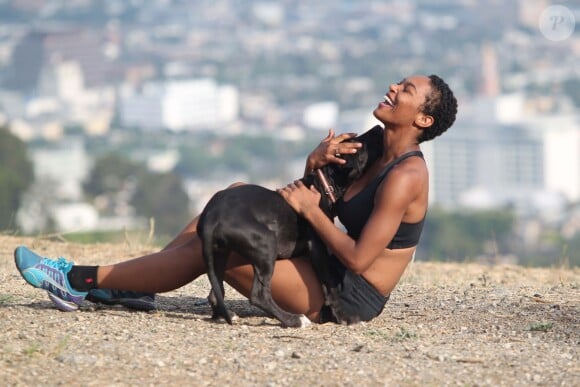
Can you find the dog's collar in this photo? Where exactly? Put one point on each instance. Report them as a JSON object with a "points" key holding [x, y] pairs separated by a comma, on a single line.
{"points": [[328, 189]]}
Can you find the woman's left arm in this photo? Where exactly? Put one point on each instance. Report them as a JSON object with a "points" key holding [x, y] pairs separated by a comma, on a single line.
{"points": [[392, 200]]}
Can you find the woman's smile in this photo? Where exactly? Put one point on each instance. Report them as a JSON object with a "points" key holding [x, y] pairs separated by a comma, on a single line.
{"points": [[388, 102]]}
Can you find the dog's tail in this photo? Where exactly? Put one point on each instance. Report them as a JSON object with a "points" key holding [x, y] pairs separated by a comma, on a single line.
{"points": [[215, 270]]}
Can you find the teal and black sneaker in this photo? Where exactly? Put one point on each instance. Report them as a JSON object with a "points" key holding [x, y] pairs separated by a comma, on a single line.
{"points": [[132, 300], [50, 275]]}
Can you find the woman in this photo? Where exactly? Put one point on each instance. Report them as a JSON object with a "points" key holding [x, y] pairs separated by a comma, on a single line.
{"points": [[383, 213]]}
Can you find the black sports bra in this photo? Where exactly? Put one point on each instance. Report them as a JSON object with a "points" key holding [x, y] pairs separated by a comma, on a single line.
{"points": [[354, 213]]}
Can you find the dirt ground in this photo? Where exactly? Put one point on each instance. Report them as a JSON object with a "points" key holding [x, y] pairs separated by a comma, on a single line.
{"points": [[446, 324]]}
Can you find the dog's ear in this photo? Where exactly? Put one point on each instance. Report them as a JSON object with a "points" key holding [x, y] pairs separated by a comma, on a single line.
{"points": [[372, 139], [372, 149], [356, 163]]}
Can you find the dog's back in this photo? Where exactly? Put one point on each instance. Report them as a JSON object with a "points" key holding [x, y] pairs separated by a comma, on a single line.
{"points": [[236, 213]]}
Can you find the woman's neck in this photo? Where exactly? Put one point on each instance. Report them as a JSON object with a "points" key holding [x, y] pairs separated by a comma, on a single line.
{"points": [[397, 143]]}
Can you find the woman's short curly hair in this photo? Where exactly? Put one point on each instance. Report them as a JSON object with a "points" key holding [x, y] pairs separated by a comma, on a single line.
{"points": [[442, 106]]}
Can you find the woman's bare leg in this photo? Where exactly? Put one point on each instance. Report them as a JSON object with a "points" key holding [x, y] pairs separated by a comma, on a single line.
{"points": [[185, 236], [158, 272], [295, 286]]}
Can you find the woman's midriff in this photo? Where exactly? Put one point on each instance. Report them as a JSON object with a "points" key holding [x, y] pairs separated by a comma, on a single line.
{"points": [[386, 271]]}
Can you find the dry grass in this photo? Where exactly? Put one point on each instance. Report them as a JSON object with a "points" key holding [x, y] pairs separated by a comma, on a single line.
{"points": [[446, 324]]}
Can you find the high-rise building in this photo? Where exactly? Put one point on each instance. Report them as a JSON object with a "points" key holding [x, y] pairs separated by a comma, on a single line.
{"points": [[490, 79]]}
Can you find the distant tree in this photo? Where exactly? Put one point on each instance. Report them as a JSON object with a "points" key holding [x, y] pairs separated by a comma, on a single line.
{"points": [[554, 250], [240, 153], [573, 251], [110, 174], [16, 175], [162, 197], [195, 161], [461, 235], [157, 195]]}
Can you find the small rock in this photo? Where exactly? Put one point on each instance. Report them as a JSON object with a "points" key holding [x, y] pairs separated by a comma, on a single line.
{"points": [[270, 366]]}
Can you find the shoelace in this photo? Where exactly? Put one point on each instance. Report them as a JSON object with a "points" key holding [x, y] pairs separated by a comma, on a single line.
{"points": [[60, 264]]}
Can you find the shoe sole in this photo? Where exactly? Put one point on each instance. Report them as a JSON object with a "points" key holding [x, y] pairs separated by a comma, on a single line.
{"points": [[62, 305], [67, 306], [145, 304], [131, 303]]}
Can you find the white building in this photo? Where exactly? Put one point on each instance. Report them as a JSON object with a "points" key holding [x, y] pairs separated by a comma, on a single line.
{"points": [[75, 217], [180, 105], [321, 115]]}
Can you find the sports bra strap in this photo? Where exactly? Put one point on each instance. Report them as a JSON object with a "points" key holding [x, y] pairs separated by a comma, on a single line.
{"points": [[396, 161]]}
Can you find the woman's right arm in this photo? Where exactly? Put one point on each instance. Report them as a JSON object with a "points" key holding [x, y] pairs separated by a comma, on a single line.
{"points": [[329, 151]]}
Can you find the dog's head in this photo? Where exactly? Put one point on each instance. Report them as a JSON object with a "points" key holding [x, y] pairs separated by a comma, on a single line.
{"points": [[341, 176]]}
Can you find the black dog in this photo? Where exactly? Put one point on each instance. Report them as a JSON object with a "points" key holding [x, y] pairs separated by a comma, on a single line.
{"points": [[259, 225]]}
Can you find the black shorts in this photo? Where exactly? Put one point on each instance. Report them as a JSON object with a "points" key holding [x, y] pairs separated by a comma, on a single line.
{"points": [[357, 297]]}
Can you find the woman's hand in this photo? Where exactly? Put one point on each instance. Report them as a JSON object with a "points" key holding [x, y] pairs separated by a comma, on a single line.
{"points": [[330, 149], [301, 198]]}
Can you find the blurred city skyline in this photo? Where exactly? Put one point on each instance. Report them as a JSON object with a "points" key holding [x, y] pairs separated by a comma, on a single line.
{"points": [[292, 69]]}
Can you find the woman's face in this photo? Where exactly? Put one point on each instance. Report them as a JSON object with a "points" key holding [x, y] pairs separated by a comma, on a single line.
{"points": [[403, 101]]}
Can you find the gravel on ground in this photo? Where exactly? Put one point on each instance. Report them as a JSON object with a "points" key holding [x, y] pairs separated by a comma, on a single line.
{"points": [[446, 324]]}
